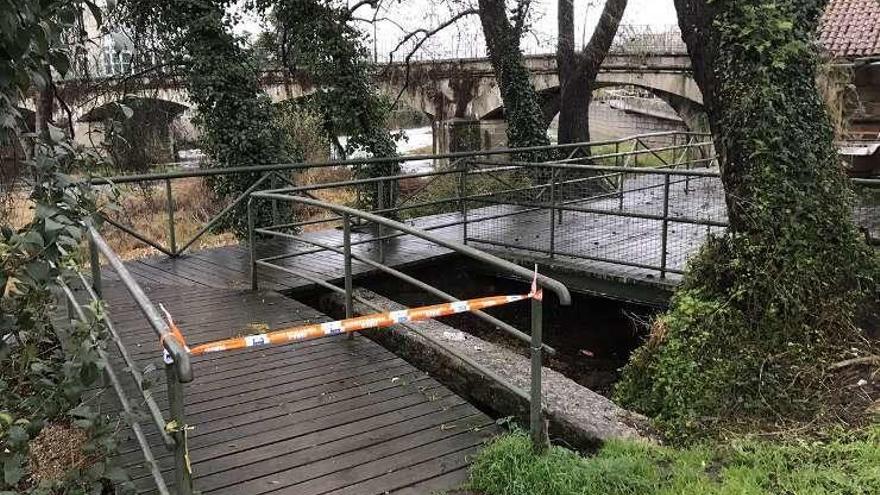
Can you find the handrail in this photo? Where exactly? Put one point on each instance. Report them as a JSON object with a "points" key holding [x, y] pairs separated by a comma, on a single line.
{"points": [[178, 369], [120, 393], [175, 348], [553, 285], [410, 280], [122, 179], [457, 163], [149, 400], [537, 422], [613, 168]]}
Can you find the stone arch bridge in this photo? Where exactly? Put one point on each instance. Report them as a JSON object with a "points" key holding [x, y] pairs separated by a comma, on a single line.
{"points": [[451, 90]]}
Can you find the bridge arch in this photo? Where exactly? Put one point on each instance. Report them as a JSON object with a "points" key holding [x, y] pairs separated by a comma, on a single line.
{"points": [[687, 105], [135, 131]]}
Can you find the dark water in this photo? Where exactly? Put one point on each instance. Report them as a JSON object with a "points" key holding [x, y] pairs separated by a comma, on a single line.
{"points": [[593, 337]]}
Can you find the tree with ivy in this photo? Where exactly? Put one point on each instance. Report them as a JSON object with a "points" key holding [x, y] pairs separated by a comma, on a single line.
{"points": [[316, 40], [235, 116], [766, 308], [526, 123]]}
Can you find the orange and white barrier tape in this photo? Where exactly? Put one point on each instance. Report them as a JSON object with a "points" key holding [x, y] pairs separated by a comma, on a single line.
{"points": [[377, 320]]}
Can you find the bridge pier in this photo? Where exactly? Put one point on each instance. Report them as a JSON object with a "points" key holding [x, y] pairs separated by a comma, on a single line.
{"points": [[468, 134]]}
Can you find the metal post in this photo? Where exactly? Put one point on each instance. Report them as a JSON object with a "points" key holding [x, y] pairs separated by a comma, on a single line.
{"points": [[537, 424], [169, 199], [380, 231], [665, 229], [636, 154], [252, 244], [552, 213], [462, 201], [71, 317], [674, 149], [182, 466], [95, 262], [620, 178], [688, 165], [274, 185], [346, 254]]}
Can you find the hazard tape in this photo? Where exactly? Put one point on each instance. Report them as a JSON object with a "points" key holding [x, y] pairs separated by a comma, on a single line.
{"points": [[367, 322]]}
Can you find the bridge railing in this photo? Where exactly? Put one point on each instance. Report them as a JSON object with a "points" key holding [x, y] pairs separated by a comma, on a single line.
{"points": [[178, 369], [601, 206], [646, 39], [172, 229], [361, 251], [867, 208], [650, 219]]}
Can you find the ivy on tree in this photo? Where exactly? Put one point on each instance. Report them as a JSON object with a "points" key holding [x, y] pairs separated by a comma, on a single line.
{"points": [[235, 116], [765, 308], [317, 41]]}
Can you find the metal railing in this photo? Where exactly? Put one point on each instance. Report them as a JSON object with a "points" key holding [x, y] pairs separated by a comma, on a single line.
{"points": [[479, 190], [651, 219], [647, 39], [178, 369], [482, 196], [415, 187], [346, 215]]}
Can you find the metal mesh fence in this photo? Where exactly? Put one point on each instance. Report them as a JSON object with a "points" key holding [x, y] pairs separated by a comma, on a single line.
{"points": [[867, 208], [644, 221]]}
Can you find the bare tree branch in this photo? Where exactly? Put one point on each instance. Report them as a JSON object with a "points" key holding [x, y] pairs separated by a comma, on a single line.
{"points": [[520, 14], [363, 3], [427, 34], [603, 36]]}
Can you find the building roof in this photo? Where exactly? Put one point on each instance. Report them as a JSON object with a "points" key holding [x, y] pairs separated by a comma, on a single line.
{"points": [[851, 28]]}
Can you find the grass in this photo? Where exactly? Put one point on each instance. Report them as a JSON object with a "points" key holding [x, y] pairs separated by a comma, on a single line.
{"points": [[847, 464], [643, 159]]}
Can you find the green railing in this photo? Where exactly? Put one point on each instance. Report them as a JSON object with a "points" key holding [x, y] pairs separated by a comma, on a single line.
{"points": [[178, 369], [537, 421], [632, 151]]}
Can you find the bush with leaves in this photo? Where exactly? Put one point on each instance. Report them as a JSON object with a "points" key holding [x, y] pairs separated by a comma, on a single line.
{"points": [[45, 376]]}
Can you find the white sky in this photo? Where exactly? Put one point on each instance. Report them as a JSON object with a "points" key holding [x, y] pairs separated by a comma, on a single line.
{"points": [[465, 38]]}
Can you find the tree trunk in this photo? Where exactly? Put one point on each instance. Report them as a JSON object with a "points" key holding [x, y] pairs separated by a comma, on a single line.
{"points": [[45, 107], [578, 71], [522, 108], [763, 307]]}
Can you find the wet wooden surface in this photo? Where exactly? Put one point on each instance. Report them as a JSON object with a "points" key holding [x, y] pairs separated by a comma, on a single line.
{"points": [[327, 416]]}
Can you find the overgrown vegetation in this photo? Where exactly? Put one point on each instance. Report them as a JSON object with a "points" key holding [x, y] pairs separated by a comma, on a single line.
{"points": [[235, 116], [766, 309], [316, 38], [845, 464], [51, 438]]}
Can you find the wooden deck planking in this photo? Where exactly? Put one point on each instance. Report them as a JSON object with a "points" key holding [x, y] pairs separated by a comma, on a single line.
{"points": [[325, 416]]}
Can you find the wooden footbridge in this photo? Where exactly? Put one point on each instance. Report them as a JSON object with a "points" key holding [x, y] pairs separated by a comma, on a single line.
{"points": [[339, 415]]}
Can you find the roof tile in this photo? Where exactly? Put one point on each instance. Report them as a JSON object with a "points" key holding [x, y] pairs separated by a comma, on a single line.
{"points": [[851, 28]]}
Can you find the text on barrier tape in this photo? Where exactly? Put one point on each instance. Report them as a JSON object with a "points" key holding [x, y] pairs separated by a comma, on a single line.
{"points": [[371, 321]]}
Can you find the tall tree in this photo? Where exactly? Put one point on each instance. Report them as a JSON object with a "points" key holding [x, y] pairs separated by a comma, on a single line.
{"points": [[526, 125], [767, 306], [578, 70]]}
